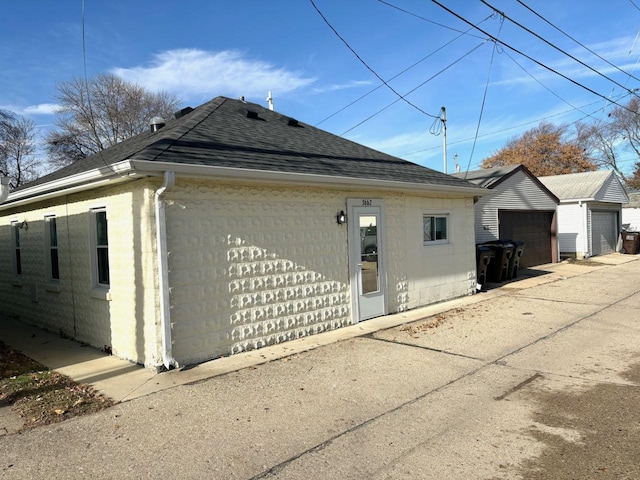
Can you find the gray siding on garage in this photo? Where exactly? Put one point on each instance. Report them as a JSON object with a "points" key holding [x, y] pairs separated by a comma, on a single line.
{"points": [[518, 192]]}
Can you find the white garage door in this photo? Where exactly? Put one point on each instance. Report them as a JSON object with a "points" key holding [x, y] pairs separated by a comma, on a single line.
{"points": [[604, 232]]}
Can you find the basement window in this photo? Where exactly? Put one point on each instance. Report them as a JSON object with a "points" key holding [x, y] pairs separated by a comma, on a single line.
{"points": [[435, 229]]}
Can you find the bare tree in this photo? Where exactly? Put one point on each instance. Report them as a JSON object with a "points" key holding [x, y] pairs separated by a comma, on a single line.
{"points": [[544, 150], [101, 112], [17, 148]]}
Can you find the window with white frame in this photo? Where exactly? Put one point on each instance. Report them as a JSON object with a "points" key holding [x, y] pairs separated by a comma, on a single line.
{"points": [[51, 246], [435, 229], [16, 258], [100, 247]]}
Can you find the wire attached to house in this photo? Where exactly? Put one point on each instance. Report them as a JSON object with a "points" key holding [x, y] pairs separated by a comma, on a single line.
{"points": [[86, 85], [401, 97], [403, 71], [436, 117]]}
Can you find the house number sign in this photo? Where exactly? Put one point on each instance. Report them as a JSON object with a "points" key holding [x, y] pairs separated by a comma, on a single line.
{"points": [[366, 202]]}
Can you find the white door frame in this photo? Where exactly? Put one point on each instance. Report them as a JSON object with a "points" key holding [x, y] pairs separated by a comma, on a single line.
{"points": [[373, 304]]}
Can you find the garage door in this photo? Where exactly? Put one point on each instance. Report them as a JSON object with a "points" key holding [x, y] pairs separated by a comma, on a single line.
{"points": [[604, 232], [534, 229]]}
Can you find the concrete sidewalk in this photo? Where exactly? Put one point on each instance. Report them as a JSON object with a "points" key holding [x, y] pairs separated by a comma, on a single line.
{"points": [[122, 380], [457, 396]]}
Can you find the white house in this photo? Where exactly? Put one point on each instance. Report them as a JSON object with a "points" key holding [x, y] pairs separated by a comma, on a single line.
{"points": [[230, 228], [589, 214], [519, 207], [631, 212]]}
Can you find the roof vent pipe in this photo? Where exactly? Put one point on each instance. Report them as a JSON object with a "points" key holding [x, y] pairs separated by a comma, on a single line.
{"points": [[157, 123], [4, 188]]}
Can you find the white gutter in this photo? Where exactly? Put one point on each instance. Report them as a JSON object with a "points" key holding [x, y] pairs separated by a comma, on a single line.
{"points": [[163, 270], [287, 178], [4, 188], [128, 170]]}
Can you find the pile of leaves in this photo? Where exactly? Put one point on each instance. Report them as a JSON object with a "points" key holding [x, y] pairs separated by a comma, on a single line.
{"points": [[41, 396]]}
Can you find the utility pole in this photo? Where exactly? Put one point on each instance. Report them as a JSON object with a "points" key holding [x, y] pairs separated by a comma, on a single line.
{"points": [[443, 118]]}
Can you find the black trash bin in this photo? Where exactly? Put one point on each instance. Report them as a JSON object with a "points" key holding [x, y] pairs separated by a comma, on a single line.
{"points": [[483, 258], [514, 261], [498, 270], [630, 242]]}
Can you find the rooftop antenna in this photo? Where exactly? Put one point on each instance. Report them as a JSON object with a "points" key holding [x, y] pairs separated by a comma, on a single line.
{"points": [[270, 100]]}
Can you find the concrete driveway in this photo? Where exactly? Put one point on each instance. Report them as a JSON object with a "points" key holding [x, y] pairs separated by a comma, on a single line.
{"points": [[486, 387]]}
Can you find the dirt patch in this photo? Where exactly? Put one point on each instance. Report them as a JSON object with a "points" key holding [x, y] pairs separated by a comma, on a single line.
{"points": [[586, 263], [41, 396], [589, 434]]}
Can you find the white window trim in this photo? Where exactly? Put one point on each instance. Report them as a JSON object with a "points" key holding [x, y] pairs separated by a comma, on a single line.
{"points": [[99, 290], [16, 277], [445, 241], [48, 247]]}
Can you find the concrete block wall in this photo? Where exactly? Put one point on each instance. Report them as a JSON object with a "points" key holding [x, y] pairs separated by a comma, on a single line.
{"points": [[253, 265], [72, 306], [256, 265]]}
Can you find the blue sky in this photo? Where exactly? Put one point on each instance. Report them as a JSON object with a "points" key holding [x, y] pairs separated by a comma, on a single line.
{"points": [[198, 50]]}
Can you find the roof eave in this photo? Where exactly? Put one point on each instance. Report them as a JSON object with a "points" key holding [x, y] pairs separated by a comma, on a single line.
{"points": [[288, 178], [130, 169]]}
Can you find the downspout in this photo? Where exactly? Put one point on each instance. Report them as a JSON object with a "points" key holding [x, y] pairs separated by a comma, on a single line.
{"points": [[4, 188], [163, 270], [585, 229]]}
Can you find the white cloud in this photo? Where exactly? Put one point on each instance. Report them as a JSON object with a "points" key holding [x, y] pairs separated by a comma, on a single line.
{"points": [[32, 110], [40, 109], [336, 87], [198, 73]]}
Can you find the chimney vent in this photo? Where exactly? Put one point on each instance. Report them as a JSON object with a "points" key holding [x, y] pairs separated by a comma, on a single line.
{"points": [[157, 123]]}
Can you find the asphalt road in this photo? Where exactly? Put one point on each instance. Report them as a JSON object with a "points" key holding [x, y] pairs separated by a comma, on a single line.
{"points": [[541, 383]]}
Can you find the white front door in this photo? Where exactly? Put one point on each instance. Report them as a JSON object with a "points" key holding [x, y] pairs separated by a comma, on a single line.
{"points": [[367, 258]]}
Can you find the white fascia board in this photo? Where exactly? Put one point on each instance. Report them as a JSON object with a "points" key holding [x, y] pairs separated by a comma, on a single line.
{"points": [[287, 178], [107, 175], [132, 169]]}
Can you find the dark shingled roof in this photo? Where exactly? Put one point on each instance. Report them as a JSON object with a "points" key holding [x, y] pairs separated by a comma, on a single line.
{"points": [[486, 177], [231, 133]]}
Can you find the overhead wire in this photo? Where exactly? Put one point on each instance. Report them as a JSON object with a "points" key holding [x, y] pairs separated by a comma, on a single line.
{"points": [[514, 127], [462, 33], [401, 97], [526, 29], [576, 41], [575, 82], [86, 84], [416, 88], [484, 98], [397, 75], [429, 20]]}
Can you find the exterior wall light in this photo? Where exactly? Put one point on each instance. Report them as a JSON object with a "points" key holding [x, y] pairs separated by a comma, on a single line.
{"points": [[342, 217]]}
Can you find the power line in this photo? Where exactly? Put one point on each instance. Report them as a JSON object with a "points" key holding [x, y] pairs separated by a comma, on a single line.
{"points": [[575, 82], [514, 127], [543, 85], [554, 46], [484, 98], [416, 88], [401, 97], [429, 20], [399, 74], [582, 45]]}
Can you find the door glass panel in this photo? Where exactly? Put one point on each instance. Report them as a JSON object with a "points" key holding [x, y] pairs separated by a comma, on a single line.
{"points": [[369, 253]]}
